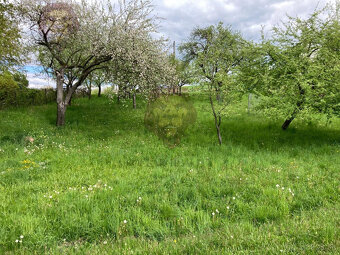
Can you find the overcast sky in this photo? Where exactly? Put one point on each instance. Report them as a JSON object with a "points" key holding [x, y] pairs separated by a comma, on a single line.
{"points": [[246, 16]]}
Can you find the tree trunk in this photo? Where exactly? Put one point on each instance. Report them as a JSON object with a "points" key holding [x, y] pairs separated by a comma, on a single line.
{"points": [[134, 100], [287, 123], [180, 90], [61, 114], [299, 105], [61, 107], [90, 91], [99, 90], [70, 101], [218, 129], [218, 120]]}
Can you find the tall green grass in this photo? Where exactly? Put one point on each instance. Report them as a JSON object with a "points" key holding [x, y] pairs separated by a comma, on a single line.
{"points": [[103, 184]]}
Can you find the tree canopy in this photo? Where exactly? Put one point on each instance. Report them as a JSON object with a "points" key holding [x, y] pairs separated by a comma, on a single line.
{"points": [[80, 38], [295, 73], [216, 51], [10, 46]]}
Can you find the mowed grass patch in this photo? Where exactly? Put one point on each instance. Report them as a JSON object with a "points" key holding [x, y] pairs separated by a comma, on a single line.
{"points": [[104, 184]]}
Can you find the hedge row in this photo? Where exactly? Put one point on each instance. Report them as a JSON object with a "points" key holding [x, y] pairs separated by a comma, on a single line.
{"points": [[11, 94], [26, 96]]}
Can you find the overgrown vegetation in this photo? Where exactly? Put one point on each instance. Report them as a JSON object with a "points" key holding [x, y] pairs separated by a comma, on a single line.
{"points": [[104, 184], [14, 92]]}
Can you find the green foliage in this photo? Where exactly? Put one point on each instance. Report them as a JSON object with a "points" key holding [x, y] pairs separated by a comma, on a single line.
{"points": [[10, 47], [21, 79], [13, 92], [216, 51], [296, 73], [104, 168], [8, 89], [169, 117]]}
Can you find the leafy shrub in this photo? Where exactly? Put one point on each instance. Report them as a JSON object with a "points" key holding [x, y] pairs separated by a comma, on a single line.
{"points": [[169, 117], [8, 89]]}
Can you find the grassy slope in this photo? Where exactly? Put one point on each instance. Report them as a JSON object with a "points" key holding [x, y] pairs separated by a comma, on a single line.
{"points": [[108, 146]]}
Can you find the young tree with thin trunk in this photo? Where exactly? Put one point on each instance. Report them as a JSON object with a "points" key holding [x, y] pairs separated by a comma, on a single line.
{"points": [[216, 51]]}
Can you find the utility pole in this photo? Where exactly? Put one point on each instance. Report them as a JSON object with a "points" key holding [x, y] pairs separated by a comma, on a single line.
{"points": [[249, 102], [174, 54]]}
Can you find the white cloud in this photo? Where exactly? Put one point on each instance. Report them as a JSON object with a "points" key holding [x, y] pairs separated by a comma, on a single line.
{"points": [[247, 16], [37, 81]]}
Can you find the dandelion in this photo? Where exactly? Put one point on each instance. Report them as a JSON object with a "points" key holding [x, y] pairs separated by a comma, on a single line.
{"points": [[213, 214], [17, 241], [217, 211], [283, 188], [105, 242], [21, 237], [20, 241], [228, 207], [231, 237], [277, 186], [50, 196], [125, 221], [234, 198]]}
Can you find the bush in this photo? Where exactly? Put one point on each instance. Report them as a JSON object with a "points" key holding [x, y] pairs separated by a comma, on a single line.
{"points": [[8, 89], [169, 117]]}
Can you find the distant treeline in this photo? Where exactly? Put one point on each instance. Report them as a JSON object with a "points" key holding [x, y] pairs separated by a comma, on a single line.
{"points": [[14, 92]]}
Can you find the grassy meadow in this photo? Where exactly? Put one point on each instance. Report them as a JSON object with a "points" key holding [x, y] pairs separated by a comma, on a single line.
{"points": [[104, 184]]}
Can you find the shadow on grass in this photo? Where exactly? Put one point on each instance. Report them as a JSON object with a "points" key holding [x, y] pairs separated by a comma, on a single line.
{"points": [[98, 119]]}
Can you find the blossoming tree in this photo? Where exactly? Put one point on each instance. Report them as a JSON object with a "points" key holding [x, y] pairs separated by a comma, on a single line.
{"points": [[80, 38]]}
